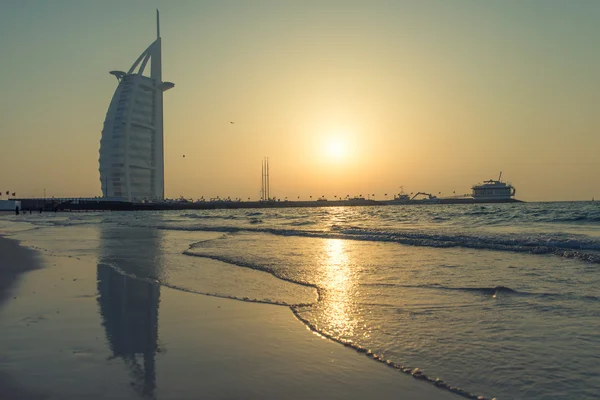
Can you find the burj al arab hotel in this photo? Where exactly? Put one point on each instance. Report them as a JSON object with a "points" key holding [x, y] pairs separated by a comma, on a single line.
{"points": [[131, 147]]}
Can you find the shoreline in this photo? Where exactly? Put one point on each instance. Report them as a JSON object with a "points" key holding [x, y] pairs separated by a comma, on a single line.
{"points": [[264, 348], [15, 261]]}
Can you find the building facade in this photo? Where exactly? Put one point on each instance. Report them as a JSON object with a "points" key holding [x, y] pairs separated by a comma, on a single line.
{"points": [[131, 148]]}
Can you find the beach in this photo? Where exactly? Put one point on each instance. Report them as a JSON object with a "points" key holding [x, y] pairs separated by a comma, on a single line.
{"points": [[428, 302], [71, 328]]}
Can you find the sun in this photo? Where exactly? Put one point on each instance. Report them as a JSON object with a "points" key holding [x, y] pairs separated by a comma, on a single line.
{"points": [[335, 148]]}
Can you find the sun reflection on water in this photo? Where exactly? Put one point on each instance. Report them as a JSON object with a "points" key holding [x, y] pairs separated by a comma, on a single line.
{"points": [[339, 283]]}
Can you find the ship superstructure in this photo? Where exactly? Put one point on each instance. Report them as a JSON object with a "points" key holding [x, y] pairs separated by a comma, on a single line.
{"points": [[493, 190]]}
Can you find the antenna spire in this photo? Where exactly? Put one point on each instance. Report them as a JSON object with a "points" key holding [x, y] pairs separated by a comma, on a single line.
{"points": [[157, 25]]}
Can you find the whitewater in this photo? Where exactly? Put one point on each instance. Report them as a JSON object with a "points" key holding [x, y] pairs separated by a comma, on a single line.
{"points": [[497, 300]]}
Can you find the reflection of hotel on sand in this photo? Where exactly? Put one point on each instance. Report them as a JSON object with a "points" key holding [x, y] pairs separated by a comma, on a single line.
{"points": [[129, 306], [132, 168], [131, 149]]}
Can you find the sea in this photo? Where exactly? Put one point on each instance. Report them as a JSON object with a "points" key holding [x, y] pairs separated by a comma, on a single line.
{"points": [[494, 300]]}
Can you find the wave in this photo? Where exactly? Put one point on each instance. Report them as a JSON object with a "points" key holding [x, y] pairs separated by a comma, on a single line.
{"points": [[482, 290], [491, 291], [414, 372], [257, 267], [321, 293], [12, 232], [202, 216], [156, 281], [72, 223], [302, 223], [486, 290], [583, 250], [577, 218]]}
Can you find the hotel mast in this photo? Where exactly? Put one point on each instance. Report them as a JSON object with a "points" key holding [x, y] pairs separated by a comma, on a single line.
{"points": [[131, 148]]}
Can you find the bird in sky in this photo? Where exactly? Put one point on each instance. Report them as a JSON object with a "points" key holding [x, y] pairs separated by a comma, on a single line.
{"points": [[231, 122]]}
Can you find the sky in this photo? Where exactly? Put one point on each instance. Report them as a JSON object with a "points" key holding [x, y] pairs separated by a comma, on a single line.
{"points": [[344, 97]]}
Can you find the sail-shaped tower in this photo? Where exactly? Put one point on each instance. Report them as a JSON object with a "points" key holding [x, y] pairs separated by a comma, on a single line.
{"points": [[131, 147]]}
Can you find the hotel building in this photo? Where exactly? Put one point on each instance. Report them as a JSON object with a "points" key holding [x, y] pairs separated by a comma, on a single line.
{"points": [[131, 148]]}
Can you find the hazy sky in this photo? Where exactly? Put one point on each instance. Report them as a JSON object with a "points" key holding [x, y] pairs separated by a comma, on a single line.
{"points": [[344, 97]]}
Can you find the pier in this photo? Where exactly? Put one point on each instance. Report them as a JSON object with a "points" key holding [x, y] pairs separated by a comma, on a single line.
{"points": [[104, 204]]}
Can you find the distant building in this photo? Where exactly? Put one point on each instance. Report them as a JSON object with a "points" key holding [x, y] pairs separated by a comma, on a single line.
{"points": [[131, 148], [9, 205]]}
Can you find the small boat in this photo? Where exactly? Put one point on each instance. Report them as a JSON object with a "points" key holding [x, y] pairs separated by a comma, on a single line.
{"points": [[493, 190]]}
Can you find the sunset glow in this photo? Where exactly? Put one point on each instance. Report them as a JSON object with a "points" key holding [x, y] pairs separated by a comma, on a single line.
{"points": [[373, 90], [336, 148]]}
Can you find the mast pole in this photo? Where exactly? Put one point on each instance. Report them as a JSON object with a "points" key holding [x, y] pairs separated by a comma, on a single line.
{"points": [[157, 24]]}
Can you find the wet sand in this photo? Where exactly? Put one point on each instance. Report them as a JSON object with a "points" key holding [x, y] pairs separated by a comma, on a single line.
{"points": [[15, 260], [75, 329]]}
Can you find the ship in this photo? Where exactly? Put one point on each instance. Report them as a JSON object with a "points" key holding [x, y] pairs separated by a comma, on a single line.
{"points": [[493, 190], [401, 197]]}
